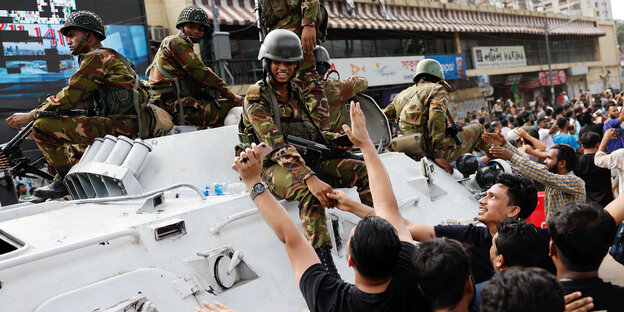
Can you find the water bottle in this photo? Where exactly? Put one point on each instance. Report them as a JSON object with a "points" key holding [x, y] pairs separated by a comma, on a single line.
{"points": [[219, 188], [236, 188]]}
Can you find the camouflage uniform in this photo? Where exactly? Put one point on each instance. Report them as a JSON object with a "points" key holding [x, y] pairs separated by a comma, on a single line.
{"points": [[299, 14], [338, 92], [286, 171], [98, 68], [176, 56], [422, 109]]}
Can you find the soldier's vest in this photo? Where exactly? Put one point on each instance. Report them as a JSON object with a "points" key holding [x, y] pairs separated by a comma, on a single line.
{"points": [[112, 100], [299, 127]]}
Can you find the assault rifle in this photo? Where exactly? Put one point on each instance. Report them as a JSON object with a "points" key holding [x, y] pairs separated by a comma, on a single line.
{"points": [[61, 113], [211, 95], [12, 158], [452, 129], [262, 31], [313, 153]]}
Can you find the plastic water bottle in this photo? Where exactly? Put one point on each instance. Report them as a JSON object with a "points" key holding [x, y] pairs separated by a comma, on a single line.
{"points": [[219, 188], [236, 188]]}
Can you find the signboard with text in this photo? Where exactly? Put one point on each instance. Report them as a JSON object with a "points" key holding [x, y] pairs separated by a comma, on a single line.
{"points": [[495, 57], [383, 71]]}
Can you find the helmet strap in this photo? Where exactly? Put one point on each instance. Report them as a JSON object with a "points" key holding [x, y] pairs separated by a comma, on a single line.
{"points": [[184, 35]]}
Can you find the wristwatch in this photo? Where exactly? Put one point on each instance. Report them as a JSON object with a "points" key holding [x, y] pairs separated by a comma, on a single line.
{"points": [[257, 189]]}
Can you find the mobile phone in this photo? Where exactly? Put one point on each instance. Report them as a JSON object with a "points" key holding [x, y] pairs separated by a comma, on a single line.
{"points": [[265, 150], [342, 140]]}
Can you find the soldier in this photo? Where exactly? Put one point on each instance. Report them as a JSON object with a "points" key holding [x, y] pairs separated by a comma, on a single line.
{"points": [[422, 117], [181, 83], [297, 16], [274, 107], [338, 92], [105, 85]]}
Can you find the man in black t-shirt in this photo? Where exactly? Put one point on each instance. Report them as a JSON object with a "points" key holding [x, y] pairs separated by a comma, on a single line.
{"points": [[597, 180], [512, 196], [379, 249], [581, 234]]}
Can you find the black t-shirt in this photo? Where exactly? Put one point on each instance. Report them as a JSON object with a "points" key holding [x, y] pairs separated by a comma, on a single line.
{"points": [[592, 127], [479, 240], [607, 297], [325, 293], [597, 180]]}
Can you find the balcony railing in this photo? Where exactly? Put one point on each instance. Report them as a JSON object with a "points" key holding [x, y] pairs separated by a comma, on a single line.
{"points": [[244, 71]]}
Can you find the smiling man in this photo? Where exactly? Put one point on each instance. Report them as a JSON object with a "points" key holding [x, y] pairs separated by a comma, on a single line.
{"points": [[179, 81], [274, 109], [104, 85]]}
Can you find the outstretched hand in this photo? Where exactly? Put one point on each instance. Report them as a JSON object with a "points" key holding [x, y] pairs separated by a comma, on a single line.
{"points": [[501, 152], [495, 138], [357, 132], [17, 120], [249, 165], [343, 201]]}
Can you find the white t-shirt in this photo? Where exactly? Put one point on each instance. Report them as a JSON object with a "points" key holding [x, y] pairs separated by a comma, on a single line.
{"points": [[546, 138]]}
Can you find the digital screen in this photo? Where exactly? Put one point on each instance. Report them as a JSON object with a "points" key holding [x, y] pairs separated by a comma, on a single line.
{"points": [[35, 61]]}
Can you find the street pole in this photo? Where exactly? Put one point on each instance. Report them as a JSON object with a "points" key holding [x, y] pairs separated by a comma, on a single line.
{"points": [[215, 23], [552, 86]]}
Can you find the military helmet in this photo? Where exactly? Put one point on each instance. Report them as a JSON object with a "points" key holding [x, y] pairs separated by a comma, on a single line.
{"points": [[281, 45], [85, 20], [321, 55], [193, 14], [429, 67]]}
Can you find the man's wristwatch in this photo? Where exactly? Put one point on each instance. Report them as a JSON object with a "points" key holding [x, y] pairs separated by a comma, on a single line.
{"points": [[257, 189]]}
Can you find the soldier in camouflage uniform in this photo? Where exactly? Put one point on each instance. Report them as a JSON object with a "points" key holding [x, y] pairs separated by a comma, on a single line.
{"points": [[179, 80], [421, 109], [337, 91], [104, 85], [274, 108], [298, 16]]}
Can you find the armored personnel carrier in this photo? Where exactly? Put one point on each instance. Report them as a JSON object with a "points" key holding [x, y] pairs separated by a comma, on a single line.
{"points": [[140, 235]]}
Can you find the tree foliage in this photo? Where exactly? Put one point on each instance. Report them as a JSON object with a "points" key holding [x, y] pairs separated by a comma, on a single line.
{"points": [[619, 30]]}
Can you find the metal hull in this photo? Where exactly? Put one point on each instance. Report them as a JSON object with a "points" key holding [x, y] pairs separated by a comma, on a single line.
{"points": [[81, 256]]}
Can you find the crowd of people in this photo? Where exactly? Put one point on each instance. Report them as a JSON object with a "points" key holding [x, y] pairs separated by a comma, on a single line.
{"points": [[506, 265]]}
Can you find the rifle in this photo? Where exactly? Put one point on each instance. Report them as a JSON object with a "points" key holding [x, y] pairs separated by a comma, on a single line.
{"points": [[452, 129], [210, 95], [61, 113], [313, 153], [262, 31], [12, 158]]}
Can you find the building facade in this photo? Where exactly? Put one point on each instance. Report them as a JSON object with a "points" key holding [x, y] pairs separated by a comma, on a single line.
{"points": [[601, 9], [486, 52]]}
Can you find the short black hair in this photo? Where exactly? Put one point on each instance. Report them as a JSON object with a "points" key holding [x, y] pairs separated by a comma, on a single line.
{"points": [[589, 139], [482, 120], [582, 233], [442, 268], [521, 192], [517, 242], [562, 122], [523, 289], [611, 103], [375, 248], [504, 122], [567, 153], [539, 121], [558, 110]]}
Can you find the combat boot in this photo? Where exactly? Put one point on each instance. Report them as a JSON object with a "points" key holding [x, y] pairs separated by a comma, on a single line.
{"points": [[56, 189], [324, 253]]}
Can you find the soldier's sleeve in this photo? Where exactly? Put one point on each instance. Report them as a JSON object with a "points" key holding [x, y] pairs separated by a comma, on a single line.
{"points": [[390, 111], [82, 83], [309, 10], [352, 86], [261, 119], [191, 63], [437, 118]]}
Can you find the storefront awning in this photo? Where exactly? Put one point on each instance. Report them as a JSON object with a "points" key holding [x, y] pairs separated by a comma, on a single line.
{"points": [[428, 19]]}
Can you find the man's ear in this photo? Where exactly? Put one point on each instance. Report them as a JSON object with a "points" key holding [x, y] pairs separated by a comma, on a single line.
{"points": [[562, 164], [514, 212], [552, 249], [499, 262], [350, 261]]}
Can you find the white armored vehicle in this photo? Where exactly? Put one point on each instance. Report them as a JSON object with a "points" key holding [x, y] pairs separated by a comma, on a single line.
{"points": [[140, 235]]}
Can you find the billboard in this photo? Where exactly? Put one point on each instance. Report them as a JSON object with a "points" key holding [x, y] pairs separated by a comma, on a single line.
{"points": [[34, 58], [495, 57], [384, 71]]}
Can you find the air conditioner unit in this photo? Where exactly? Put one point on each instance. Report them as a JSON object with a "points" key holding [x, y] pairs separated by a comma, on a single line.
{"points": [[158, 33]]}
